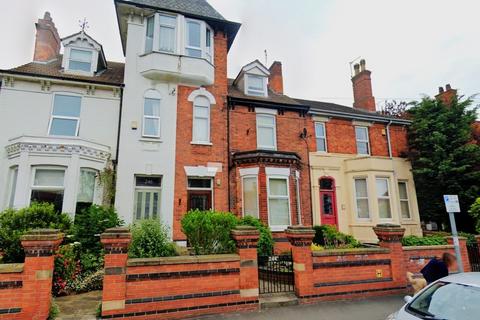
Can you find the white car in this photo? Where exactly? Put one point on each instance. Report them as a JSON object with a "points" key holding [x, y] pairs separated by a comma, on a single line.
{"points": [[456, 297]]}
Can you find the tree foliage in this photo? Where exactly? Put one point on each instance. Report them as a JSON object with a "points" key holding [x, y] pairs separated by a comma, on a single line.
{"points": [[444, 159], [397, 109]]}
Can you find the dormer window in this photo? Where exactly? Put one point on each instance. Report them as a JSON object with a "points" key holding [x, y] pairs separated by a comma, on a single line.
{"points": [[80, 60], [256, 85]]}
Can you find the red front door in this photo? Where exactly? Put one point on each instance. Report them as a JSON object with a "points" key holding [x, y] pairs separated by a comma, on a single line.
{"points": [[328, 206]]}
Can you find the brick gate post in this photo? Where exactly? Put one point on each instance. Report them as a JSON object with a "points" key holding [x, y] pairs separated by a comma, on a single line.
{"points": [[301, 239], [390, 236], [116, 242], [246, 239], [463, 252], [40, 246]]}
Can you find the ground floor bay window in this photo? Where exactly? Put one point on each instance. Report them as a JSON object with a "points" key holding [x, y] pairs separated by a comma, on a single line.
{"points": [[278, 203], [48, 186]]}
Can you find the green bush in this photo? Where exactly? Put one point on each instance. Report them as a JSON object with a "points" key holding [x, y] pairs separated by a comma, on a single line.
{"points": [[54, 311], [265, 242], [87, 282], [475, 213], [329, 237], [470, 237], [90, 223], [66, 270], [15, 223], [208, 232], [410, 241], [150, 240]]}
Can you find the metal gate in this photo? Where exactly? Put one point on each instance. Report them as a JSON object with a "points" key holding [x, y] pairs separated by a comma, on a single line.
{"points": [[275, 274], [474, 256]]}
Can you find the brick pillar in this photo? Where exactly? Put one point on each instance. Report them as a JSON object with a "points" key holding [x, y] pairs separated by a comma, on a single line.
{"points": [[115, 241], [246, 239], [300, 238], [463, 252], [390, 236], [40, 246]]}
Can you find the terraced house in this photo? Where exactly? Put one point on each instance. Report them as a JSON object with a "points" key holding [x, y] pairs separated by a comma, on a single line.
{"points": [[182, 136]]}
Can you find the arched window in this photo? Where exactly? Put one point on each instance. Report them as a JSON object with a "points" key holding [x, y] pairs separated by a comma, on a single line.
{"points": [[201, 120], [151, 114]]}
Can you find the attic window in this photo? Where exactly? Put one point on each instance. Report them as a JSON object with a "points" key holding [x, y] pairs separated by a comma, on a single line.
{"points": [[256, 85], [80, 60]]}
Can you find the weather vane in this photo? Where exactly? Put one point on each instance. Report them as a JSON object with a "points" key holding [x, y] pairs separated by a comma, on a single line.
{"points": [[83, 24]]}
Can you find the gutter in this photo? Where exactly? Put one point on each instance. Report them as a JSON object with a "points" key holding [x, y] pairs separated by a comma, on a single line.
{"points": [[346, 115]]}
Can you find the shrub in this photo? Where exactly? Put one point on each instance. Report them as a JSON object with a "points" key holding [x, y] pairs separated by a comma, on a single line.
{"points": [[66, 269], [90, 223], [329, 237], [410, 241], [208, 232], [87, 282], [54, 311], [15, 223], [149, 240], [265, 242], [475, 213]]}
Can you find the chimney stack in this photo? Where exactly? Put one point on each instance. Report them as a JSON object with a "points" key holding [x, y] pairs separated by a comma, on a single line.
{"points": [[275, 81], [47, 40], [446, 96], [362, 88]]}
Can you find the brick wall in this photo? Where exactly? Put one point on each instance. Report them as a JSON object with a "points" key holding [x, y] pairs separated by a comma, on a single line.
{"points": [[179, 287], [25, 288], [200, 155]]}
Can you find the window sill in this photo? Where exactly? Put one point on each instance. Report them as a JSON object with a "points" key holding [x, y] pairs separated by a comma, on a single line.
{"points": [[201, 143], [146, 139], [278, 228]]}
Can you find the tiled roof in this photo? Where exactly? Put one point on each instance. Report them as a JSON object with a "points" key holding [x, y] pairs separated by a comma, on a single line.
{"points": [[194, 7], [113, 75], [328, 107], [273, 97]]}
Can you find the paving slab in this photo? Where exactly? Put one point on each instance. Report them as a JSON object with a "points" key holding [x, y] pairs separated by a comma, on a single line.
{"points": [[80, 306]]}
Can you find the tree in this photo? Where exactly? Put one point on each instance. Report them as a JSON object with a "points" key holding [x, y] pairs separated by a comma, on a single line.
{"points": [[444, 159], [397, 109]]}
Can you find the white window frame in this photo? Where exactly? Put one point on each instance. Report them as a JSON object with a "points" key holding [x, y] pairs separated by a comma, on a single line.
{"points": [[274, 126], [147, 189], [165, 25], [250, 176], [153, 36], [33, 187], [269, 196], [407, 200], [85, 50], [361, 198], [256, 92], [12, 184], [196, 105], [95, 189], [152, 95], [206, 52], [384, 197], [367, 141], [52, 116], [324, 137]]}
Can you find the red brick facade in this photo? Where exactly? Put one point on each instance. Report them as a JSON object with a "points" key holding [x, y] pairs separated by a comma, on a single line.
{"points": [[362, 88], [47, 41]]}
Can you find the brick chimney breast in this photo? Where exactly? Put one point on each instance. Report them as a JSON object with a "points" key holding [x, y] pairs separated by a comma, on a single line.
{"points": [[275, 81], [362, 88], [446, 96], [47, 40]]}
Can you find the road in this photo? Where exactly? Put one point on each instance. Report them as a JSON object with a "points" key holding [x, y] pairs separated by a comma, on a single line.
{"points": [[377, 308]]}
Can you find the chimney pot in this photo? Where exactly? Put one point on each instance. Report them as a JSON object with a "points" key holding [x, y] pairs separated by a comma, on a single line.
{"points": [[275, 80], [440, 90], [356, 67], [363, 64], [47, 40], [448, 87]]}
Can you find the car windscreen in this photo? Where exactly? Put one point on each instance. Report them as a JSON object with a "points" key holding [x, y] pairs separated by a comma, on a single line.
{"points": [[445, 300]]}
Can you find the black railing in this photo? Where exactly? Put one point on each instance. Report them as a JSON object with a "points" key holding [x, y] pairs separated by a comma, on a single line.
{"points": [[275, 274], [474, 256]]}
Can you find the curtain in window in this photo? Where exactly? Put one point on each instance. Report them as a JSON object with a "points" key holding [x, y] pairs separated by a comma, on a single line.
{"points": [[167, 33], [250, 196], [361, 195], [86, 188], [49, 178], [151, 113], [278, 204], [201, 120], [404, 206], [149, 34], [383, 195]]}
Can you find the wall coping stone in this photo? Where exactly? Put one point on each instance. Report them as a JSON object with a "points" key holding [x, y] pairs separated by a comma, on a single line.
{"points": [[245, 231], [116, 233], [440, 247], [352, 251], [11, 268], [298, 229], [43, 235], [459, 238], [138, 262]]}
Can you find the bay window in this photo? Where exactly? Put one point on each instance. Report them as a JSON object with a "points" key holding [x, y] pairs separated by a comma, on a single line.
{"points": [[361, 198], [404, 201], [150, 27], [48, 186], [65, 119], [383, 198], [199, 40], [86, 188], [147, 197], [167, 35], [201, 120], [250, 196], [278, 202], [12, 185], [266, 132]]}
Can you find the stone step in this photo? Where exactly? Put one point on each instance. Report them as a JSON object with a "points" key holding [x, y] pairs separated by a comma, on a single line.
{"points": [[276, 300]]}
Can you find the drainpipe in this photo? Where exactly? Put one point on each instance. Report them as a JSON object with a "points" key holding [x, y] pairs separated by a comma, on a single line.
{"points": [[228, 156], [388, 139], [119, 126], [299, 200]]}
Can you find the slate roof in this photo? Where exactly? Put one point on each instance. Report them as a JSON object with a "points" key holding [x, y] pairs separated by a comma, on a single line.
{"points": [[113, 75], [194, 7], [273, 97]]}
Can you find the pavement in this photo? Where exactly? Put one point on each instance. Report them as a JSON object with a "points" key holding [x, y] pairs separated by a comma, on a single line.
{"points": [[79, 307], [377, 308]]}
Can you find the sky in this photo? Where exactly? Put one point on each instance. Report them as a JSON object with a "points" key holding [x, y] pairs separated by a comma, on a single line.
{"points": [[412, 47]]}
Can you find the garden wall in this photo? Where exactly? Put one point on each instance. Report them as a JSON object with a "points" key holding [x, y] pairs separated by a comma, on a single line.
{"points": [[178, 287], [25, 288]]}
